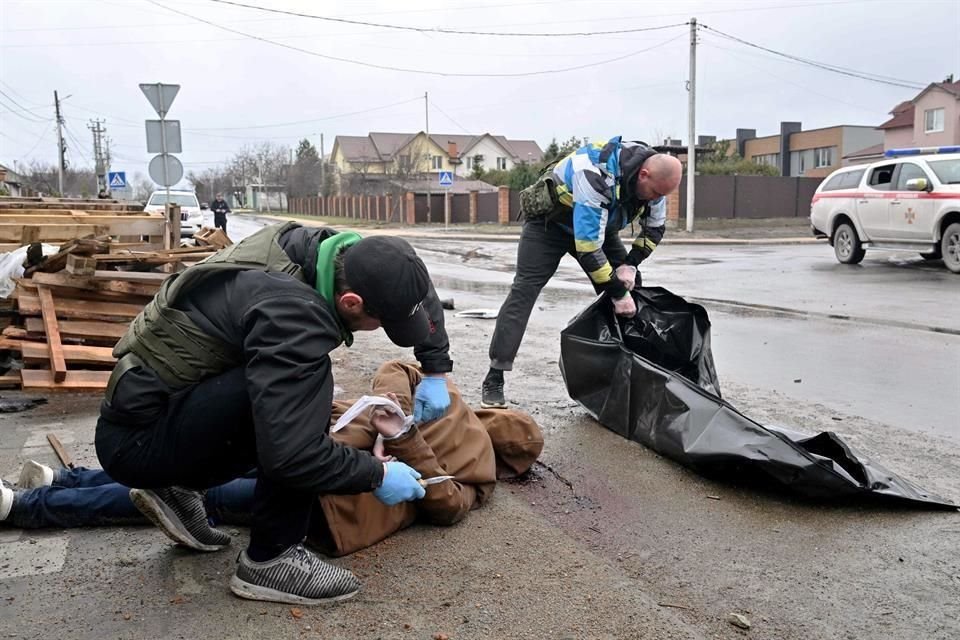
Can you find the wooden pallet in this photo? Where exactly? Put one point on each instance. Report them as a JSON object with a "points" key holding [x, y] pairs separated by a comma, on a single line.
{"points": [[215, 238], [69, 325], [54, 204]]}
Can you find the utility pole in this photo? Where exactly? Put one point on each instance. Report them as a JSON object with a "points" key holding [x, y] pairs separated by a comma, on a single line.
{"points": [[426, 108], [323, 168], [61, 147], [692, 130], [99, 157]]}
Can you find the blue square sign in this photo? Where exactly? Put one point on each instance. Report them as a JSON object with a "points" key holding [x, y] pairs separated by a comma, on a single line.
{"points": [[446, 178], [117, 179]]}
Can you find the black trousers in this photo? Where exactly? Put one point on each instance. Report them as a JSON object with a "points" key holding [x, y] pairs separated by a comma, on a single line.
{"points": [[541, 248], [202, 438], [220, 220]]}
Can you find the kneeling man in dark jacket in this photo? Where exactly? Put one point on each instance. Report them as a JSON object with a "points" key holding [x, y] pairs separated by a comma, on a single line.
{"points": [[228, 369]]}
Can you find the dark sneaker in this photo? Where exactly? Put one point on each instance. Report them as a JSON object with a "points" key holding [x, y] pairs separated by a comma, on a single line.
{"points": [[181, 515], [296, 576], [492, 396]]}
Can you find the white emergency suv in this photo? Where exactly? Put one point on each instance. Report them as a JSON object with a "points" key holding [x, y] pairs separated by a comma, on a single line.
{"points": [[909, 201]]}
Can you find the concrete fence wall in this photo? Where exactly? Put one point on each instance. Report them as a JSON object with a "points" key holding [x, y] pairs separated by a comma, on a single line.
{"points": [[724, 197]]}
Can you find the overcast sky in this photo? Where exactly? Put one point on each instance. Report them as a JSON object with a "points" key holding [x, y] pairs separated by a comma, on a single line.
{"points": [[233, 85]]}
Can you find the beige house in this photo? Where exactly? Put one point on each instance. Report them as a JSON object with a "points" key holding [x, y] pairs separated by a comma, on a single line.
{"points": [[414, 154], [811, 154], [931, 119]]}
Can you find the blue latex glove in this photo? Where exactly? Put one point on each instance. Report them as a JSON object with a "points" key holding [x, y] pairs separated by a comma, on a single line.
{"points": [[431, 400], [399, 484]]}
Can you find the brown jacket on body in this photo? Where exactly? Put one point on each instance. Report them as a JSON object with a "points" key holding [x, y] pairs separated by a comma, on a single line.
{"points": [[476, 447]]}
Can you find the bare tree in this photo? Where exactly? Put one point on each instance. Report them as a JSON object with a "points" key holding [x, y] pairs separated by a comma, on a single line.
{"points": [[43, 178], [142, 187]]}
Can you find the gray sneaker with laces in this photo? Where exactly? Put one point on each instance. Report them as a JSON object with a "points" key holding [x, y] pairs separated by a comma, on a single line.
{"points": [[491, 396], [181, 515], [296, 576]]}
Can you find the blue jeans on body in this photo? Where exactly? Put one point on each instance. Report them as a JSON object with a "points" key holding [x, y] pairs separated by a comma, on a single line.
{"points": [[83, 497]]}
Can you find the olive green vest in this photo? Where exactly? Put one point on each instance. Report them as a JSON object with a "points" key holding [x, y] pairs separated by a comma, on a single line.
{"points": [[169, 342]]}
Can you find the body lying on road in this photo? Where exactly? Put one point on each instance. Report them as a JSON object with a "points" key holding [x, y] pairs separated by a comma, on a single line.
{"points": [[476, 447]]}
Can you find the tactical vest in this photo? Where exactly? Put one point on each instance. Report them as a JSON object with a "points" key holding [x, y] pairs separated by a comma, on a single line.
{"points": [[169, 342], [540, 199]]}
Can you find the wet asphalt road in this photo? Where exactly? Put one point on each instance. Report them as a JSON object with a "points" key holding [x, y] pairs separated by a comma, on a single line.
{"points": [[605, 539]]}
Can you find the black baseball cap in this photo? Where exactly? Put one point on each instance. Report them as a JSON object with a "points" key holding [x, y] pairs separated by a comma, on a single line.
{"points": [[393, 281]]}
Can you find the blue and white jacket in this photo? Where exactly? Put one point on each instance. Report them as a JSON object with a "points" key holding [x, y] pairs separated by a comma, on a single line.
{"points": [[597, 182]]}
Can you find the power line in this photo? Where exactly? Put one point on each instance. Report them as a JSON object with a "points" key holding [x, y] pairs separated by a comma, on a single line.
{"points": [[449, 117], [285, 124], [260, 20], [782, 79], [442, 30], [418, 71], [79, 145], [40, 138], [20, 95], [863, 75], [19, 110]]}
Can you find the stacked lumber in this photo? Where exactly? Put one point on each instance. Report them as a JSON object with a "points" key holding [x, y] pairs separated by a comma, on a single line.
{"points": [[72, 308], [55, 220], [70, 323], [113, 206]]}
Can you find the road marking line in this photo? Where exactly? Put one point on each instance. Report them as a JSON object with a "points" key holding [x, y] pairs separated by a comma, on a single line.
{"points": [[33, 557]]}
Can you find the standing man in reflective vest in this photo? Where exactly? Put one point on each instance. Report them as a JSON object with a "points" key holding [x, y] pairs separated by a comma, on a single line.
{"points": [[579, 208]]}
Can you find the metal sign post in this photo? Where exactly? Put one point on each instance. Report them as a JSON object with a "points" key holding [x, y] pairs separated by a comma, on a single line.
{"points": [[161, 98], [446, 181]]}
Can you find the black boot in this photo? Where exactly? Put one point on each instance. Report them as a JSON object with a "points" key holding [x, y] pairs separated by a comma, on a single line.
{"points": [[493, 390]]}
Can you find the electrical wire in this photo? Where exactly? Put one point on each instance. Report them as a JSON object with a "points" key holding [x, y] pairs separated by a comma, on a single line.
{"points": [[863, 75], [442, 30], [19, 110], [260, 20], [11, 99], [419, 71], [296, 122], [449, 117], [40, 138], [79, 146], [782, 79]]}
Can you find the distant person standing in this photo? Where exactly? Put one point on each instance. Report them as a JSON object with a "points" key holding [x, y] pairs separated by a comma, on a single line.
{"points": [[220, 210]]}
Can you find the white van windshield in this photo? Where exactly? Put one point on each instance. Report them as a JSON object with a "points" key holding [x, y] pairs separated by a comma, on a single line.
{"points": [[184, 200], [948, 171]]}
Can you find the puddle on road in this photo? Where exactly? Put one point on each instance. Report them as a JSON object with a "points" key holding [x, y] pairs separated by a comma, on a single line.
{"points": [[501, 289], [690, 261]]}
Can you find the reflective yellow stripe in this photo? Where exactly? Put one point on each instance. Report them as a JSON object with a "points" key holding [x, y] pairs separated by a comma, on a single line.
{"points": [[644, 243], [602, 275], [586, 246], [564, 195]]}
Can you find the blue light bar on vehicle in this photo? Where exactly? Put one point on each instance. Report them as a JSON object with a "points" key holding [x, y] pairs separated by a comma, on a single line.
{"points": [[916, 151]]}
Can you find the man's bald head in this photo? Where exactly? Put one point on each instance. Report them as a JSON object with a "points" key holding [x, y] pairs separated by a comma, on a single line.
{"points": [[659, 176]]}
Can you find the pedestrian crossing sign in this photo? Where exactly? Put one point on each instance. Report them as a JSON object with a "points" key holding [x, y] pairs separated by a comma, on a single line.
{"points": [[446, 178], [117, 179]]}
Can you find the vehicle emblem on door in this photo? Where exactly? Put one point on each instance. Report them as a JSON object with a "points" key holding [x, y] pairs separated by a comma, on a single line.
{"points": [[909, 215]]}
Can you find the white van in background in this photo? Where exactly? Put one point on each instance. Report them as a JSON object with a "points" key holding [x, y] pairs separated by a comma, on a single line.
{"points": [[909, 201], [191, 214]]}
